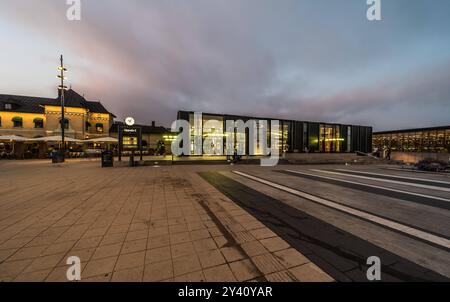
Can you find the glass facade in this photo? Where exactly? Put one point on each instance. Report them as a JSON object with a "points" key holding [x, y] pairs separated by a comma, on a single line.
{"points": [[330, 139], [434, 140], [294, 136]]}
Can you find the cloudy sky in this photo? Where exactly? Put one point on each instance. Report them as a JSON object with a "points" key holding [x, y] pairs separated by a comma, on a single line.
{"points": [[296, 59]]}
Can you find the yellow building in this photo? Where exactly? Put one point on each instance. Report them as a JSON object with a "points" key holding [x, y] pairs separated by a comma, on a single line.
{"points": [[33, 117]]}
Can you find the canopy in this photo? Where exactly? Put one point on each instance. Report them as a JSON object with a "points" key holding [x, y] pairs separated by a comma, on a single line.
{"points": [[103, 140], [56, 138], [13, 138]]}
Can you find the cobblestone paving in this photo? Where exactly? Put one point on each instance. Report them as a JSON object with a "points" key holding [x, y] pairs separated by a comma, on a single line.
{"points": [[134, 224]]}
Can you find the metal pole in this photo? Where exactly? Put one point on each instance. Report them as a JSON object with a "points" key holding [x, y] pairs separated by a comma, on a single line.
{"points": [[120, 141], [63, 124]]}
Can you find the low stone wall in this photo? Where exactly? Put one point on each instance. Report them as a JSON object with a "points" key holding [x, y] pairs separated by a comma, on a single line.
{"points": [[326, 158], [414, 157]]}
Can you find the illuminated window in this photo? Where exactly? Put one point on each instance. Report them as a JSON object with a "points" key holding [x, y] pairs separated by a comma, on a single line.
{"points": [[99, 127], [17, 121], [38, 123], [8, 106]]}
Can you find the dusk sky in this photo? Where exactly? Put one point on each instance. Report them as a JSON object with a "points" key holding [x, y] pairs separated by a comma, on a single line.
{"points": [[315, 60]]}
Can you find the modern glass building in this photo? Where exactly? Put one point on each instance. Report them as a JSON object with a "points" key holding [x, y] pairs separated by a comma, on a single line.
{"points": [[432, 140], [295, 136]]}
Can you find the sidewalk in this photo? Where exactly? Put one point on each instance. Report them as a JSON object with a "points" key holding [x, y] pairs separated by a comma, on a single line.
{"points": [[136, 224]]}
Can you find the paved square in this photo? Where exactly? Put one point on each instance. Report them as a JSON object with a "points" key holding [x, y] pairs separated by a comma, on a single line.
{"points": [[134, 224]]}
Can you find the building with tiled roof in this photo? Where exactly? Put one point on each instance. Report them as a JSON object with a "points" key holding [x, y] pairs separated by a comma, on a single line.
{"points": [[33, 117]]}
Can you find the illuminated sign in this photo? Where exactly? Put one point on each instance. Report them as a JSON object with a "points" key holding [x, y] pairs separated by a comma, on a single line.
{"points": [[130, 138]]}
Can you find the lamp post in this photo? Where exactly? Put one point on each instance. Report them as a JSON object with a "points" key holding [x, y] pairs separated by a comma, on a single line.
{"points": [[62, 70]]}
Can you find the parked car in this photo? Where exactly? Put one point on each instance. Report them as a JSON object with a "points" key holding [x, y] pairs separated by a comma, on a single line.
{"points": [[434, 165]]}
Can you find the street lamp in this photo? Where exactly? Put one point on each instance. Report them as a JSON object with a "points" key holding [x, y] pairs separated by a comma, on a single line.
{"points": [[62, 70]]}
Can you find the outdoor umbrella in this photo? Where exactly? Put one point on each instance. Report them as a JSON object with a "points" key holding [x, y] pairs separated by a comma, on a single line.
{"points": [[14, 138], [103, 140], [56, 138]]}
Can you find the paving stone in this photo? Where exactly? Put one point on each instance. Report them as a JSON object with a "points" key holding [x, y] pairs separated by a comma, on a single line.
{"points": [[179, 238], [105, 251], [244, 270], [191, 277], [204, 245], [283, 276], [158, 271], [310, 273], [44, 262], [263, 233], [290, 258], [267, 263], [99, 267], [274, 244], [182, 249], [134, 246], [221, 273], [211, 258], [128, 275], [36, 276], [136, 235], [254, 248], [10, 269], [185, 264], [199, 234], [58, 248], [158, 254], [233, 254], [130, 260], [159, 241]]}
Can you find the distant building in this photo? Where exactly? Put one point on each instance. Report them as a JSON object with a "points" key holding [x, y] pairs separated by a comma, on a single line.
{"points": [[412, 145], [152, 135], [33, 117], [296, 136], [434, 139]]}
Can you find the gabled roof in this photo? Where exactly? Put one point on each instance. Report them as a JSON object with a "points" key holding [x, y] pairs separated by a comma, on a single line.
{"points": [[29, 104], [25, 104]]}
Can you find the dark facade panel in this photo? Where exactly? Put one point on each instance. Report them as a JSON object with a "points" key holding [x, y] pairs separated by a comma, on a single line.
{"points": [[302, 136]]}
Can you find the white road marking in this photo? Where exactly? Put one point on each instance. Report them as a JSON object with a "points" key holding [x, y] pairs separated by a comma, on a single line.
{"points": [[396, 176], [386, 180], [371, 186], [367, 216]]}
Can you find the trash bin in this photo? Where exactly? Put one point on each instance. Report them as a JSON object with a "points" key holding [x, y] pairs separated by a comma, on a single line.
{"points": [[132, 163], [107, 159], [58, 157]]}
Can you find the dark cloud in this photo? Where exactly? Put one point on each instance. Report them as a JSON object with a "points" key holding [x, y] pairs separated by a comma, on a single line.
{"points": [[312, 60]]}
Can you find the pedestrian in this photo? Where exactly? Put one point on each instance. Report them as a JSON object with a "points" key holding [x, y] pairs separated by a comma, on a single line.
{"points": [[388, 154]]}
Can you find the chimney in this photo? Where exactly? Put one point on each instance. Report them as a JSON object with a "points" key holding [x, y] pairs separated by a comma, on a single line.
{"points": [[153, 124]]}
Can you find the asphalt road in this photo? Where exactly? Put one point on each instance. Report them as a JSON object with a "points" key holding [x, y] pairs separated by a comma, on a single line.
{"points": [[338, 216]]}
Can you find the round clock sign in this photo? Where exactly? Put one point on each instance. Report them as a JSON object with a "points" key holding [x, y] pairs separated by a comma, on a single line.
{"points": [[129, 121]]}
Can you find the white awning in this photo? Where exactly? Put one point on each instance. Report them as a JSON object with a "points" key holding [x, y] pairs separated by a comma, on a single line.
{"points": [[56, 138], [14, 138], [103, 140]]}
